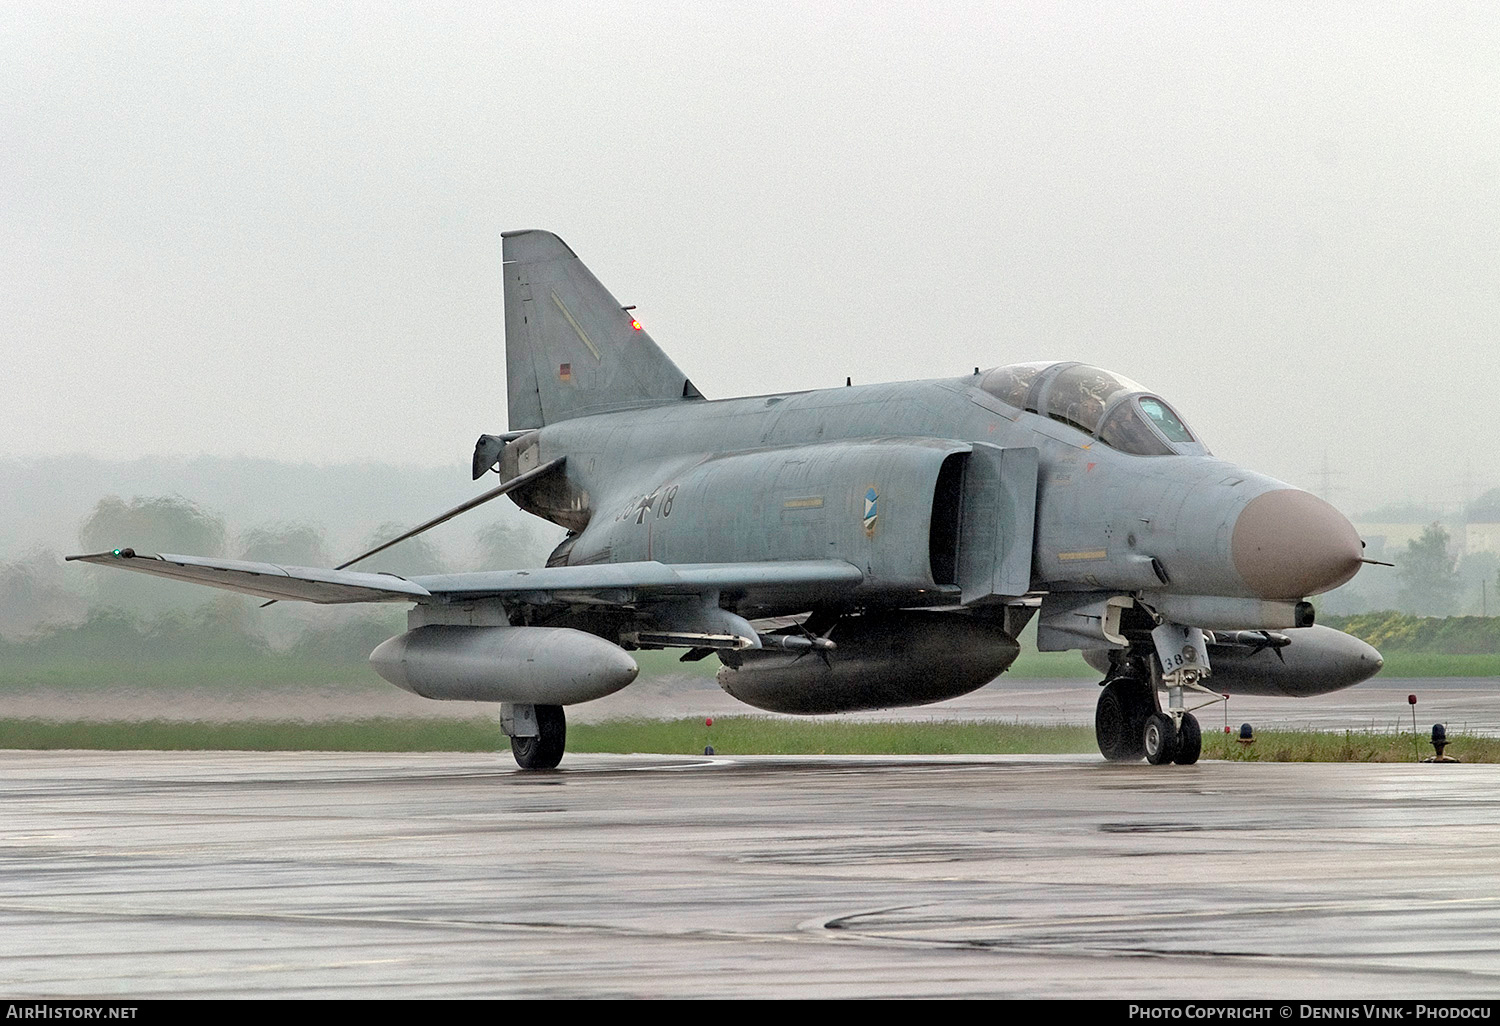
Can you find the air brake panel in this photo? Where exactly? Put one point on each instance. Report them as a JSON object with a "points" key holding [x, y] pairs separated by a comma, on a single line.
{"points": [[999, 523]]}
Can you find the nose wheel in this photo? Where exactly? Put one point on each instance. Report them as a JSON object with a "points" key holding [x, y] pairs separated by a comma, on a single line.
{"points": [[1160, 739], [1165, 741], [1189, 741]]}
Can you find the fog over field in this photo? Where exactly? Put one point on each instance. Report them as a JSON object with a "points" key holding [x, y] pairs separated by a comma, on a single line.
{"points": [[48, 499], [237, 507]]}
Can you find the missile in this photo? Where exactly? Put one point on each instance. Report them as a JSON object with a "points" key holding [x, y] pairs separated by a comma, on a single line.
{"points": [[536, 665]]}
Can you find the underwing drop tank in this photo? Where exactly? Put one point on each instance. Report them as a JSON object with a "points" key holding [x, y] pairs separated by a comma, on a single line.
{"points": [[883, 660], [534, 665], [1297, 663]]}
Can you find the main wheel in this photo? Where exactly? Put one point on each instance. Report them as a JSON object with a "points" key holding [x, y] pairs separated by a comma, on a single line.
{"points": [[545, 750], [1109, 726], [1189, 740], [1119, 719], [1160, 739]]}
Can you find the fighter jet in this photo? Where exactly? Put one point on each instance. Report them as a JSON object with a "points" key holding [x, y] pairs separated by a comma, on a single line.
{"points": [[860, 547]]}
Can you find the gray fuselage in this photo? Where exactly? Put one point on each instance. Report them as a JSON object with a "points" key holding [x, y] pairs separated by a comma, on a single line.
{"points": [[1102, 516]]}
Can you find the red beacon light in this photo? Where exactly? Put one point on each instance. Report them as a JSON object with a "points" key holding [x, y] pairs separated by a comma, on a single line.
{"points": [[635, 324]]}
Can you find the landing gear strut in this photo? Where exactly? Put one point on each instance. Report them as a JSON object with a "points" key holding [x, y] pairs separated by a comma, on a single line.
{"points": [[538, 734], [1180, 664]]}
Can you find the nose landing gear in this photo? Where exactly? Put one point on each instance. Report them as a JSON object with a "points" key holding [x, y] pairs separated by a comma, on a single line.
{"points": [[1129, 725], [1130, 721]]}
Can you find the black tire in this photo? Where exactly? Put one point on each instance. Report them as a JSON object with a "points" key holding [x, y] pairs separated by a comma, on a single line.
{"points": [[1119, 720], [1110, 726], [1189, 741], [1160, 739], [546, 750], [1141, 707]]}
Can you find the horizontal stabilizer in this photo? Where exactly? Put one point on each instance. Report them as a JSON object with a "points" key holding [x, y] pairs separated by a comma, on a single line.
{"points": [[297, 583]]}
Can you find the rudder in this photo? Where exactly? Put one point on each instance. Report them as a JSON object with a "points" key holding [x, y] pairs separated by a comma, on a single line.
{"points": [[571, 350]]}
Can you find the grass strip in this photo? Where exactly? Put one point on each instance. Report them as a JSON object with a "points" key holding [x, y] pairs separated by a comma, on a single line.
{"points": [[730, 735], [1349, 746], [1399, 663], [385, 734]]}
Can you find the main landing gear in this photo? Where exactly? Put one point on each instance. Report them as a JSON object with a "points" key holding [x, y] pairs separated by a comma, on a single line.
{"points": [[1129, 723], [538, 734]]}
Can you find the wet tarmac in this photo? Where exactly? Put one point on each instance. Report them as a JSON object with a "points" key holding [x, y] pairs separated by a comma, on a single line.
{"points": [[431, 875]]}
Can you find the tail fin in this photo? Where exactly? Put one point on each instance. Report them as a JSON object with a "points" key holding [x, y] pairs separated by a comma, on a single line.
{"points": [[571, 350]]}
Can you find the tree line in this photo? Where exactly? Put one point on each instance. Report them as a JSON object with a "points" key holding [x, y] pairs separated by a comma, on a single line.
{"points": [[40, 595]]}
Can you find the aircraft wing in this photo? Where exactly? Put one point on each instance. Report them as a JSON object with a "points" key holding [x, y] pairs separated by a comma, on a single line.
{"points": [[623, 583], [601, 584], [299, 583]]}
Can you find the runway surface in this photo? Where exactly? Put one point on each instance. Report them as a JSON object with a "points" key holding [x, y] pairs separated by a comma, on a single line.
{"points": [[330, 875]]}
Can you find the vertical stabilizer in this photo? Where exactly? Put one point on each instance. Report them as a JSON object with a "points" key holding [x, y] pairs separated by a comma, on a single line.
{"points": [[571, 350]]}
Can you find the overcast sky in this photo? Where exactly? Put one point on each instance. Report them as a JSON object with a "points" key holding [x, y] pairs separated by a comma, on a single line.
{"points": [[274, 229]]}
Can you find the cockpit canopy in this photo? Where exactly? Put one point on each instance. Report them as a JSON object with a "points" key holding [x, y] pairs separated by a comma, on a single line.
{"points": [[1117, 411]]}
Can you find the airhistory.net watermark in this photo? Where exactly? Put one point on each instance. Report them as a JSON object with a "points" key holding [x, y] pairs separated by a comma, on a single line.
{"points": [[44, 1010]]}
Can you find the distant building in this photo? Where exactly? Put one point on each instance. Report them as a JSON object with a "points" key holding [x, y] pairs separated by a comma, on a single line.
{"points": [[1382, 541], [1482, 537], [1386, 541]]}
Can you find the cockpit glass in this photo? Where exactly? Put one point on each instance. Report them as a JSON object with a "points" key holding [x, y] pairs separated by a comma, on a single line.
{"points": [[1126, 429], [1079, 394], [1166, 420], [1011, 384]]}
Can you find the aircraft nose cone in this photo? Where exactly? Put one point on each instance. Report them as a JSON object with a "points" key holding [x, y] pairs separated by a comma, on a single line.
{"points": [[1289, 544]]}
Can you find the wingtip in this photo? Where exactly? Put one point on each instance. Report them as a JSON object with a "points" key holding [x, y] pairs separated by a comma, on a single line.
{"points": [[99, 557]]}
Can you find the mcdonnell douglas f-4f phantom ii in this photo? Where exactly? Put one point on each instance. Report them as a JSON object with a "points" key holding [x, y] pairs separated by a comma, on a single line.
{"points": [[849, 548]]}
